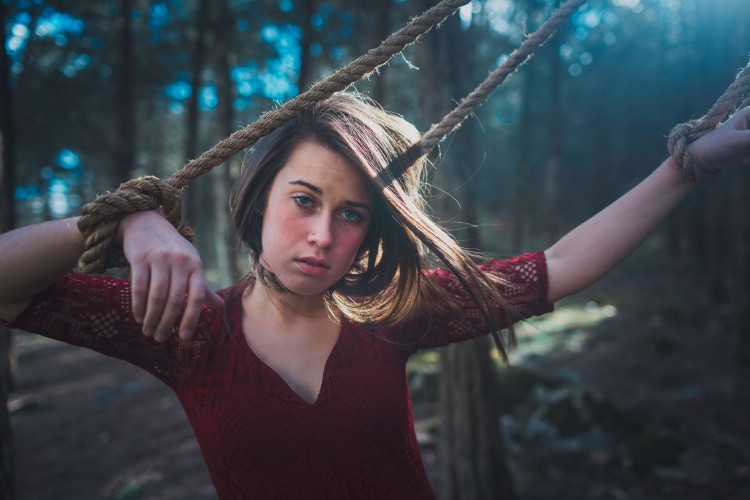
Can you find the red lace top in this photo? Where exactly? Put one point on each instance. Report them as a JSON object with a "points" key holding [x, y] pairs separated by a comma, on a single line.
{"points": [[258, 438]]}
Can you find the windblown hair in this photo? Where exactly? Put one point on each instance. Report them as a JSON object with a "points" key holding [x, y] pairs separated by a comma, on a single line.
{"points": [[385, 286]]}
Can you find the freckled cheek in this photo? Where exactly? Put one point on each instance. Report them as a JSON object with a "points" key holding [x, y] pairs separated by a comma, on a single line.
{"points": [[350, 241], [290, 223], [282, 232]]}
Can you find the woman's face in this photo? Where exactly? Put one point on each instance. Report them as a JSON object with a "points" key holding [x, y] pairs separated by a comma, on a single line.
{"points": [[317, 215]]}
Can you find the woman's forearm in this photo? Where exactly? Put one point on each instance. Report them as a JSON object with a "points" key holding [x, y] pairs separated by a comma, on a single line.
{"points": [[592, 249], [599, 244], [32, 257]]}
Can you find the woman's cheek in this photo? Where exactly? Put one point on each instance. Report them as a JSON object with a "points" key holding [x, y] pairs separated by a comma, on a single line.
{"points": [[290, 222], [352, 241]]}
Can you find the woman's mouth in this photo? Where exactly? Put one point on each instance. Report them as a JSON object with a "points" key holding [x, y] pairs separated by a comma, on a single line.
{"points": [[312, 266]]}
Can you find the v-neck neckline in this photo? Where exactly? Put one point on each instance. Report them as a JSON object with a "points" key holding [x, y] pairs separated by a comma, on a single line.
{"points": [[237, 312], [322, 390]]}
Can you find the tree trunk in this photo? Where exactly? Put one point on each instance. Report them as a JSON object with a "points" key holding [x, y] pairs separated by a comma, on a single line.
{"points": [[7, 463], [303, 80], [744, 323], [717, 246], [472, 448], [125, 147], [221, 175], [8, 170], [7, 222], [742, 259], [554, 159], [382, 30], [477, 467], [191, 198], [523, 173]]}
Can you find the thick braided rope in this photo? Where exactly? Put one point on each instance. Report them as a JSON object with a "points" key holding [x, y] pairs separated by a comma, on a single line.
{"points": [[454, 118], [99, 218], [737, 96], [340, 80]]}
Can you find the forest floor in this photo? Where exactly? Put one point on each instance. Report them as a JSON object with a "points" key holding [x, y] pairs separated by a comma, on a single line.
{"points": [[629, 391]]}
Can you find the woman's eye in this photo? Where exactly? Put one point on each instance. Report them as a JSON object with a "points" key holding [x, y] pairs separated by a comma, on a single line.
{"points": [[351, 215], [302, 201]]}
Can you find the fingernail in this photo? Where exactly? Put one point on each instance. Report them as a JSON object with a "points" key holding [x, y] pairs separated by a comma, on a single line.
{"points": [[185, 334], [160, 337], [148, 331]]}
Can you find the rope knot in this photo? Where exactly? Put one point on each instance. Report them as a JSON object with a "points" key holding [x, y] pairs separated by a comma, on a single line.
{"points": [[735, 97], [100, 218], [679, 139]]}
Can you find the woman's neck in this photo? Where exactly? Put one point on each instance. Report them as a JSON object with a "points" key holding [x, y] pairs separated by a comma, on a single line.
{"points": [[283, 307]]}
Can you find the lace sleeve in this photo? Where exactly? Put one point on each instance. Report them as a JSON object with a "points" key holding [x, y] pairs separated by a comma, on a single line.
{"points": [[96, 312], [523, 286]]}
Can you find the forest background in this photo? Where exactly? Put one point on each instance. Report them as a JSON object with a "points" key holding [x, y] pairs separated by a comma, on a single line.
{"points": [[95, 93]]}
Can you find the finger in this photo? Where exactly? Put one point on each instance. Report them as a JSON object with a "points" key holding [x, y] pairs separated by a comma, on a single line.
{"points": [[738, 121], [172, 306], [139, 291], [213, 299], [196, 298], [157, 297], [745, 117]]}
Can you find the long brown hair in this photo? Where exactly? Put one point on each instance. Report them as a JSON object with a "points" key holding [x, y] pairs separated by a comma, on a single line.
{"points": [[386, 285]]}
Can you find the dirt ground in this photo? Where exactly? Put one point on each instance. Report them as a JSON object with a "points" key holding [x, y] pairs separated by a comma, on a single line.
{"points": [[90, 427], [672, 412]]}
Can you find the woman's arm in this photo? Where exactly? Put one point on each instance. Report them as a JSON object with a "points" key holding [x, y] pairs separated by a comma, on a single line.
{"points": [[590, 250], [31, 258], [165, 268]]}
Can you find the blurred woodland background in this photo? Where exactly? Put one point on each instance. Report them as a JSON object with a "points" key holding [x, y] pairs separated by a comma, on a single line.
{"points": [[638, 388]]}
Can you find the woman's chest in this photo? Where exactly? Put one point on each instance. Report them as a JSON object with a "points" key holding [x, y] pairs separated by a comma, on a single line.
{"points": [[237, 398], [299, 357], [357, 436]]}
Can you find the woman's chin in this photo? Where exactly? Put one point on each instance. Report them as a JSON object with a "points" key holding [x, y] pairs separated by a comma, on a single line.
{"points": [[304, 287]]}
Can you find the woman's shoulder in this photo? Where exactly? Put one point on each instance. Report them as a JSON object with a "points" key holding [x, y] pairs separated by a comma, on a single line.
{"points": [[449, 313], [527, 269]]}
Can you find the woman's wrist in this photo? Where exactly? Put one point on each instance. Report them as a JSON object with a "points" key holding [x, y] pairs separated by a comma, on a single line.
{"points": [[127, 221], [676, 172]]}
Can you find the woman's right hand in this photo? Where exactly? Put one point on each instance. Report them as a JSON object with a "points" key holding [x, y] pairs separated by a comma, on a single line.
{"points": [[725, 147], [166, 276]]}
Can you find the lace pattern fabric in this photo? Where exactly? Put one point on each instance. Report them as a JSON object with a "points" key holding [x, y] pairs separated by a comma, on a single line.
{"points": [[258, 438], [96, 312], [522, 283]]}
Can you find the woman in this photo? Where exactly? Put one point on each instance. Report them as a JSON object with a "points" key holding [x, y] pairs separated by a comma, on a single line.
{"points": [[294, 379]]}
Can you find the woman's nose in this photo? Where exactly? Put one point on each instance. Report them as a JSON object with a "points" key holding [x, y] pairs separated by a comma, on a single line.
{"points": [[321, 233]]}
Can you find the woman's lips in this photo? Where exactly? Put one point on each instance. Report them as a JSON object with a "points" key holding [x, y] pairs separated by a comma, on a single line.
{"points": [[312, 266]]}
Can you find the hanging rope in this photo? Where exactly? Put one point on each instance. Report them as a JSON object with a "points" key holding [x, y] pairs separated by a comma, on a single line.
{"points": [[453, 120], [737, 96], [100, 218]]}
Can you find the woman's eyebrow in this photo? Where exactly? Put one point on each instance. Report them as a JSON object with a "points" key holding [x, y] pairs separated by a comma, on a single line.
{"points": [[311, 187], [315, 189]]}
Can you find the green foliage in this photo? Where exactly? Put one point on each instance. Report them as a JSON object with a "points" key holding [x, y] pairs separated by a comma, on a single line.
{"points": [[517, 385], [652, 450], [423, 371]]}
